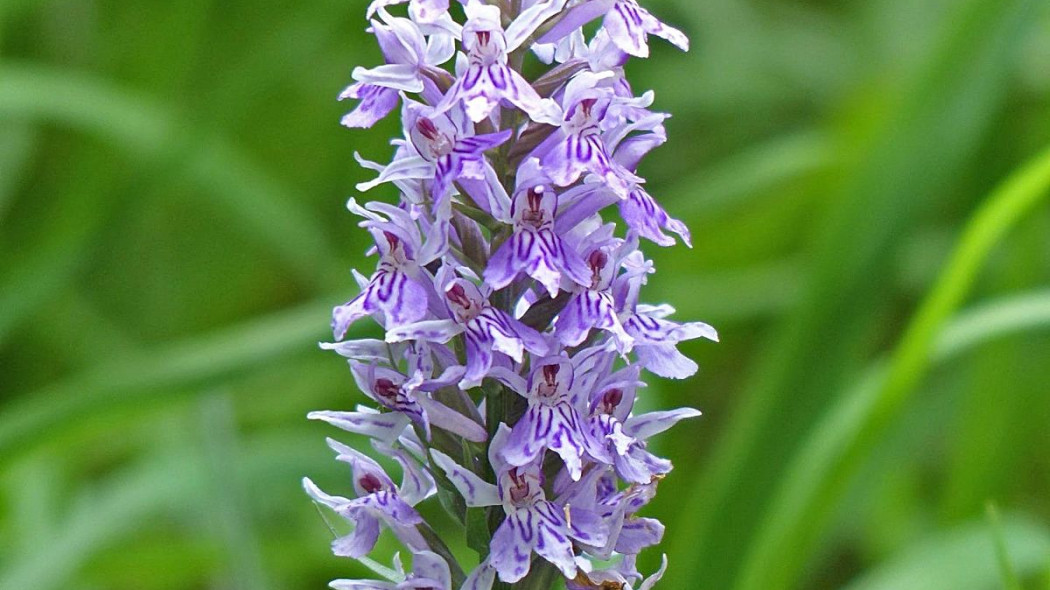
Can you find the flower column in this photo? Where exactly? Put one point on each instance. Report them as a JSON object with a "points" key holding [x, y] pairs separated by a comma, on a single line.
{"points": [[514, 337]]}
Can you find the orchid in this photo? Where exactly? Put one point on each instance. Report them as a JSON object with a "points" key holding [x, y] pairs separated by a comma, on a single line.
{"points": [[514, 335]]}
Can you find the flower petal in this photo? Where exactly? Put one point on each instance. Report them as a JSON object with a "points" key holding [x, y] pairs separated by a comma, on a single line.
{"points": [[361, 541], [475, 491], [644, 426], [386, 426], [511, 548]]}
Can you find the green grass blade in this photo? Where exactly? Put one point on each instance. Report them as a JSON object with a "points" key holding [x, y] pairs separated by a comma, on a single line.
{"points": [[146, 131], [960, 559], [1007, 572], [726, 185], [100, 516], [228, 493], [173, 484], [16, 147], [201, 359], [993, 319], [924, 141], [819, 473], [29, 280]]}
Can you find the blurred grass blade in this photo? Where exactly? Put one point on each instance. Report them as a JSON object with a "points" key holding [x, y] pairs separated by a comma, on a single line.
{"points": [[228, 493], [961, 559], [1002, 553], [998, 317], [33, 487], [920, 145], [30, 277], [818, 474], [99, 517], [201, 359], [16, 146], [144, 130], [171, 484], [736, 295], [725, 185]]}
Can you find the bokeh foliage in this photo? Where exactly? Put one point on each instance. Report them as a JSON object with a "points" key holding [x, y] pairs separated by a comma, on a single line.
{"points": [[866, 181]]}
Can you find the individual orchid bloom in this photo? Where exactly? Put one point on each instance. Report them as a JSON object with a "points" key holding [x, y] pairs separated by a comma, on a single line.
{"points": [[485, 330], [534, 248], [409, 400], [396, 288], [628, 534], [411, 63], [647, 218], [628, 25], [443, 150], [378, 501], [639, 210], [656, 340], [400, 287], [594, 307], [429, 572], [532, 523], [581, 148], [552, 421], [487, 80], [623, 438]]}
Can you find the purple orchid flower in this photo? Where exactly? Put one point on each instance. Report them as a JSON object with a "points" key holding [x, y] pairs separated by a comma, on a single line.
{"points": [[378, 501], [622, 437], [411, 64], [656, 340], [409, 400], [552, 420], [581, 148], [487, 79], [594, 306], [399, 287], [534, 248], [629, 534], [643, 215], [532, 523], [485, 330], [440, 149]]}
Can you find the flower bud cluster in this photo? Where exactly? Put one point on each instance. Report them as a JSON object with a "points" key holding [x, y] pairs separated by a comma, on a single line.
{"points": [[514, 338]]}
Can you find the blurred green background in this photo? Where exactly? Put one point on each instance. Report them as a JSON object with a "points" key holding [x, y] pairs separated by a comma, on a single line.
{"points": [[866, 184]]}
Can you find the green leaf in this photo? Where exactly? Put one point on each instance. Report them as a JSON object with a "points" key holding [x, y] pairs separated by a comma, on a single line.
{"points": [[961, 559], [478, 536]]}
